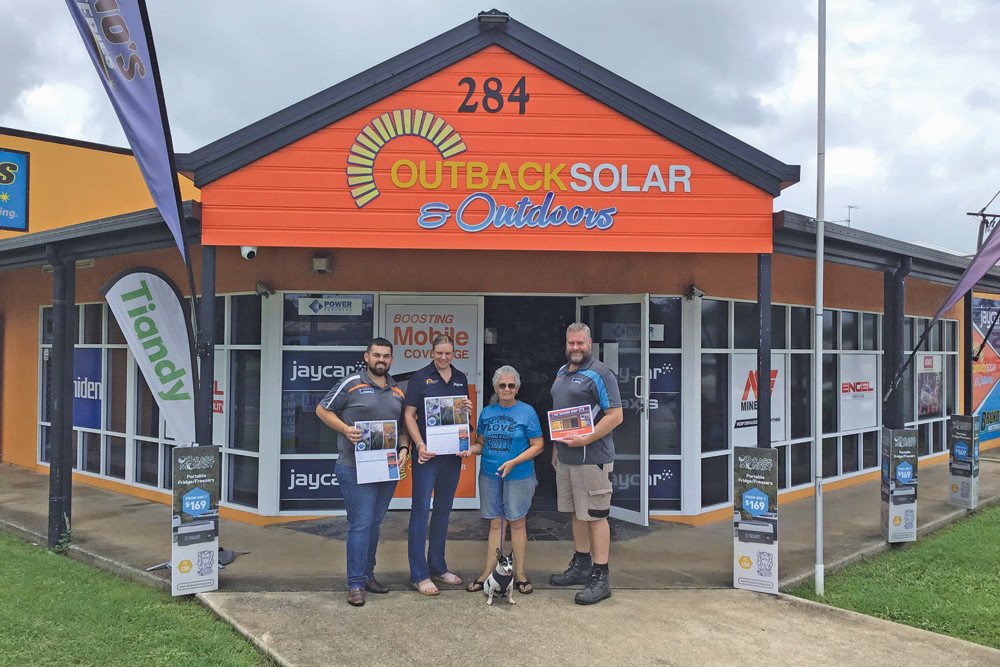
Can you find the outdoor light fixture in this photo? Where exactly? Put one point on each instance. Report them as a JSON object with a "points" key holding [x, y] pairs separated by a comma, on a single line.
{"points": [[493, 16], [693, 292], [263, 289], [322, 263]]}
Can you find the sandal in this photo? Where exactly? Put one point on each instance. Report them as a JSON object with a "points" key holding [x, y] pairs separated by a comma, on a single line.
{"points": [[524, 587], [426, 587], [448, 579], [474, 586]]}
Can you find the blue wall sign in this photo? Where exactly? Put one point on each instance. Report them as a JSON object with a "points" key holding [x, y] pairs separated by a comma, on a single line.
{"points": [[664, 480], [311, 370], [88, 389], [664, 373], [309, 479], [13, 190]]}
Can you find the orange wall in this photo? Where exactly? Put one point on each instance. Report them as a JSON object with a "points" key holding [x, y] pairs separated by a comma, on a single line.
{"points": [[316, 191], [70, 183]]}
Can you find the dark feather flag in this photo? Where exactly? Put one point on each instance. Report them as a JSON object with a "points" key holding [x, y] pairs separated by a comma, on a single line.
{"points": [[117, 36]]}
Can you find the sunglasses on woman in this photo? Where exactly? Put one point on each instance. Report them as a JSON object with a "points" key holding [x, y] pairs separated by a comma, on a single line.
{"points": [[504, 385]]}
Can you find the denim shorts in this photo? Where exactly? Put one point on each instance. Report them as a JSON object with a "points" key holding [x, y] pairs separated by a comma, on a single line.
{"points": [[517, 495]]}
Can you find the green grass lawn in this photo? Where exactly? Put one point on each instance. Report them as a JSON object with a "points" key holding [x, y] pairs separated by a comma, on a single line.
{"points": [[57, 611], [947, 583]]}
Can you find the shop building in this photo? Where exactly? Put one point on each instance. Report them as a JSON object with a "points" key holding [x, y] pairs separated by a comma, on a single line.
{"points": [[496, 186]]}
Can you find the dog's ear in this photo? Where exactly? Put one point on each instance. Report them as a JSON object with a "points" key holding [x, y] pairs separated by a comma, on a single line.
{"points": [[499, 554]]}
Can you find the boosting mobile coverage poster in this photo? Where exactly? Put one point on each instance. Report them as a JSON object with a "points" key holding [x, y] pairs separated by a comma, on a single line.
{"points": [[986, 369]]}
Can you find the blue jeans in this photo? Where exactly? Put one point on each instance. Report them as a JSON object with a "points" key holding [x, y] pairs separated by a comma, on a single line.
{"points": [[439, 475], [366, 506]]}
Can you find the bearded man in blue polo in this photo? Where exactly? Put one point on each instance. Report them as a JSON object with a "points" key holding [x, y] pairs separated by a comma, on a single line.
{"points": [[584, 463]]}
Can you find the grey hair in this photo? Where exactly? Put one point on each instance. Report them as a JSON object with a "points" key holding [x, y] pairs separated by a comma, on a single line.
{"points": [[579, 326], [504, 370]]}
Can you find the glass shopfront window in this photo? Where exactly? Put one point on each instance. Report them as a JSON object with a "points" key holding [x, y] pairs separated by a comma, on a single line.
{"points": [[930, 383], [108, 435], [316, 319]]}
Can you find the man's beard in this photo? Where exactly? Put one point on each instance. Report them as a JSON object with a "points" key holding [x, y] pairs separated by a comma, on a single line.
{"points": [[379, 369], [581, 357]]}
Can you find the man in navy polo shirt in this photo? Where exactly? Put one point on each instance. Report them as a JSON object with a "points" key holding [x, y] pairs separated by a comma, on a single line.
{"points": [[583, 464], [369, 395], [432, 473]]}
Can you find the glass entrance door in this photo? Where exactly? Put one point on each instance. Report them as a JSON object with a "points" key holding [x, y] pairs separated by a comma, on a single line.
{"points": [[619, 326]]}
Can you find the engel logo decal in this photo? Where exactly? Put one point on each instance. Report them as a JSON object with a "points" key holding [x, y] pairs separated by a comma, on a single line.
{"points": [[928, 362], [860, 388]]}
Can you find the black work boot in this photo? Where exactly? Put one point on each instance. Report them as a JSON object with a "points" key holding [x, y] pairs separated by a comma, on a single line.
{"points": [[577, 574], [598, 587]]}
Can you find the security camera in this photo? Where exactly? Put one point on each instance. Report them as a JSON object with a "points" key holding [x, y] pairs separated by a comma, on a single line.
{"points": [[248, 251]]}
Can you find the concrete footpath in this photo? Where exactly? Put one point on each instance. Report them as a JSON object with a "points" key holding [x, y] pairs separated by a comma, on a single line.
{"points": [[673, 602]]}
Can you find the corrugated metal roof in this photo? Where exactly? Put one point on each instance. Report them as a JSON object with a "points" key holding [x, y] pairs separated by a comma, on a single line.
{"points": [[116, 235], [795, 234]]}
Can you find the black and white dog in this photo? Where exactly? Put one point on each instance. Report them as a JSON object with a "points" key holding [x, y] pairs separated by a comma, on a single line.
{"points": [[501, 581]]}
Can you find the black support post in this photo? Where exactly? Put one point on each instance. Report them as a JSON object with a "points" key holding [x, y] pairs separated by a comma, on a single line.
{"points": [[967, 350], [60, 391], [894, 315], [764, 350], [206, 347]]}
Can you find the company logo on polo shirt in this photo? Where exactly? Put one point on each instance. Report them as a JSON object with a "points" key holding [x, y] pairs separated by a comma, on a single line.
{"points": [[577, 380], [431, 381], [366, 390], [481, 210]]}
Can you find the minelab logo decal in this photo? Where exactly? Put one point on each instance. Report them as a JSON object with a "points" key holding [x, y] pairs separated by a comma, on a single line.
{"points": [[751, 388], [388, 126]]}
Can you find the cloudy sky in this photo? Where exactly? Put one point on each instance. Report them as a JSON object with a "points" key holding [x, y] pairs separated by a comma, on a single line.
{"points": [[913, 86]]}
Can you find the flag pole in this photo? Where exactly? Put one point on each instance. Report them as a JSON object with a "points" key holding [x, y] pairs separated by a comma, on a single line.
{"points": [[818, 328]]}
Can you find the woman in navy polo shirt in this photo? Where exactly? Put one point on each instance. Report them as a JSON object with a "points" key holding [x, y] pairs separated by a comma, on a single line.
{"points": [[508, 436], [438, 474]]}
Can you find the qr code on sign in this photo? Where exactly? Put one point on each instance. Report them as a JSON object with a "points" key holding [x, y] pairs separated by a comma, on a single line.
{"points": [[206, 562], [765, 563]]}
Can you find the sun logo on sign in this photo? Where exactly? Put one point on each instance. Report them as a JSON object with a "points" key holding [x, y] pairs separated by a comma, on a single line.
{"points": [[383, 129]]}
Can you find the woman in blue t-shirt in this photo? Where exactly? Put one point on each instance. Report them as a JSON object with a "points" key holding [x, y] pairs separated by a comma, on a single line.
{"points": [[508, 437]]}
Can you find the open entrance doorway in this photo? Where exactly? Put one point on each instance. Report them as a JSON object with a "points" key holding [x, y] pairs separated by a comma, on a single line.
{"points": [[529, 333]]}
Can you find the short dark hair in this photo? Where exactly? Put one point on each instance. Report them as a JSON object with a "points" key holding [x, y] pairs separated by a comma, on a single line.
{"points": [[442, 338], [381, 342]]}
